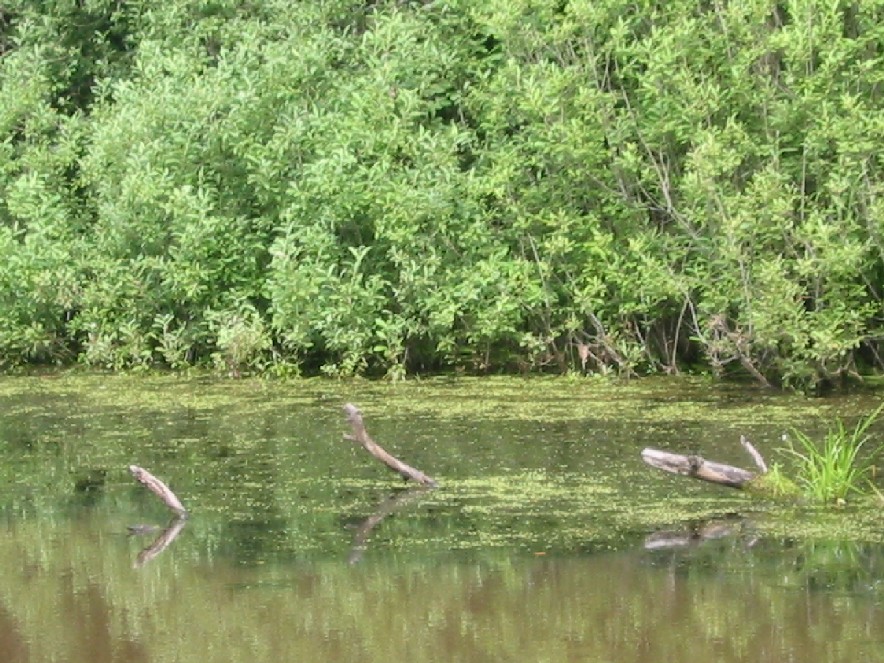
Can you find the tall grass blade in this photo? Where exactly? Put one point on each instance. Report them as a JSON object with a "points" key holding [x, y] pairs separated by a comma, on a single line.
{"points": [[831, 470]]}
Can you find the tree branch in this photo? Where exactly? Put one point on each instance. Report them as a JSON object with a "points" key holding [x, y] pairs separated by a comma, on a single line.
{"points": [[759, 460], [354, 418], [159, 489]]}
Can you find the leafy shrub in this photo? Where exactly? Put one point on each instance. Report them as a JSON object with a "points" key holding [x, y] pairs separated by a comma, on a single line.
{"points": [[241, 339], [392, 187]]}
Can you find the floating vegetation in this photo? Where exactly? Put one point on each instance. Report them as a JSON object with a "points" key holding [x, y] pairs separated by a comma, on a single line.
{"points": [[775, 484], [542, 399], [539, 464]]}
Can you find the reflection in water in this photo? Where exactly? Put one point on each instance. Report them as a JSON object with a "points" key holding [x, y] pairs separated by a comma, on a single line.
{"points": [[265, 572], [388, 506], [163, 541], [697, 533], [70, 594]]}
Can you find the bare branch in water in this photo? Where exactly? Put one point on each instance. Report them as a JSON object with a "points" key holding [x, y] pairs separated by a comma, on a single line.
{"points": [[159, 489], [756, 456], [354, 418]]}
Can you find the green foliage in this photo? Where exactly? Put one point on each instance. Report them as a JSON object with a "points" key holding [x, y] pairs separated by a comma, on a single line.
{"points": [[242, 340], [401, 186], [829, 471]]}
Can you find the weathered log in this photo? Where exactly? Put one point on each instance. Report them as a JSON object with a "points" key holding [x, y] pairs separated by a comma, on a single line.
{"points": [[707, 470], [354, 418], [159, 489], [699, 468]]}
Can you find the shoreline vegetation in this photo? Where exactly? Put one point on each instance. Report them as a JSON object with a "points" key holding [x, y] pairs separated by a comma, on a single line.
{"points": [[397, 188]]}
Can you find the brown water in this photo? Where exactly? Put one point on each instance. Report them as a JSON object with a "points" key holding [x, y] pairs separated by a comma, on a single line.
{"points": [[548, 539]]}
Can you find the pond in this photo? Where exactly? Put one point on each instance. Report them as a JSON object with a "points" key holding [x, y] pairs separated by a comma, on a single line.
{"points": [[548, 539]]}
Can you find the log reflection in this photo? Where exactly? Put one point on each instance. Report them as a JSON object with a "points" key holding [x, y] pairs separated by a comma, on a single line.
{"points": [[694, 534], [386, 507], [163, 541]]}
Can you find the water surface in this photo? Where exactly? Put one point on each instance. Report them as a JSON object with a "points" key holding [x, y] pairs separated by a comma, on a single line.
{"points": [[548, 539]]}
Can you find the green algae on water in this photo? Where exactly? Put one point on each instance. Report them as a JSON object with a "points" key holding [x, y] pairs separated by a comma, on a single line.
{"points": [[524, 464]]}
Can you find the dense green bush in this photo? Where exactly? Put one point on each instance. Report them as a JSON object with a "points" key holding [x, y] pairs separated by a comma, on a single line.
{"points": [[408, 186]]}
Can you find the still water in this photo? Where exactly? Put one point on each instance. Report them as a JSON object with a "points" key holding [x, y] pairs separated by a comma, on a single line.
{"points": [[548, 539]]}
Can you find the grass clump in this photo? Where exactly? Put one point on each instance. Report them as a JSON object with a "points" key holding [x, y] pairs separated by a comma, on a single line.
{"points": [[775, 484], [832, 469]]}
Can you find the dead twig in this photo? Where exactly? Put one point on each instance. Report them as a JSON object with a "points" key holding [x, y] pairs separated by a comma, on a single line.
{"points": [[759, 460]]}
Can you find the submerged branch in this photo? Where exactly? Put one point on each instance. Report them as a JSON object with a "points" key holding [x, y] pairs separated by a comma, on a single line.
{"points": [[159, 489], [354, 418]]}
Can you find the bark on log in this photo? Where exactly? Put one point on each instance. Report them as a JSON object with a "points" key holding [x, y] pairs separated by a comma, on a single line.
{"points": [[159, 489], [354, 418], [699, 468]]}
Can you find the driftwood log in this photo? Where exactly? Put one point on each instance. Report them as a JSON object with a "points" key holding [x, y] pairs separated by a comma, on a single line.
{"points": [[172, 530], [159, 489], [360, 436], [706, 470]]}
